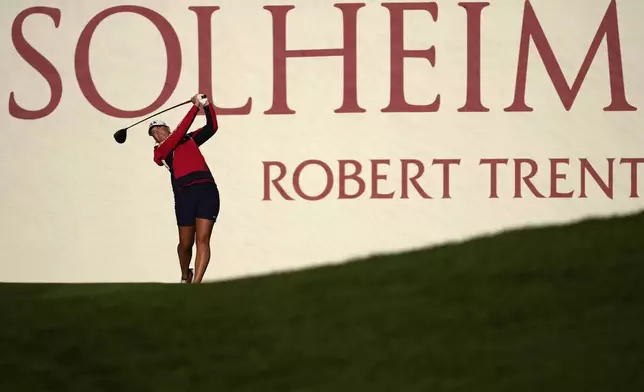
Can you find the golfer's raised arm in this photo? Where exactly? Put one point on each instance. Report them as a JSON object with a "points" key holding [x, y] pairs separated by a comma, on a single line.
{"points": [[202, 135], [171, 142]]}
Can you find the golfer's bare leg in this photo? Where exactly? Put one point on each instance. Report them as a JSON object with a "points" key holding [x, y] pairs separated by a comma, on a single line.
{"points": [[184, 248], [204, 230]]}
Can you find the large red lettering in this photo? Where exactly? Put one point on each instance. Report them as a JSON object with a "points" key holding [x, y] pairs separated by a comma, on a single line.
{"points": [[554, 176], [398, 54], [275, 182], [348, 52], [473, 100], [587, 167], [355, 176], [633, 162], [446, 173], [493, 174], [298, 173], [527, 179], [608, 28], [375, 177], [39, 62], [173, 61], [204, 29], [413, 180]]}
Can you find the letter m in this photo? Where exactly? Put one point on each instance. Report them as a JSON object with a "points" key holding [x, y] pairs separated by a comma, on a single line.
{"points": [[608, 29]]}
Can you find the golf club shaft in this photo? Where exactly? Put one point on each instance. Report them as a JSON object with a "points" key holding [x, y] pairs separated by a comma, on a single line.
{"points": [[163, 111]]}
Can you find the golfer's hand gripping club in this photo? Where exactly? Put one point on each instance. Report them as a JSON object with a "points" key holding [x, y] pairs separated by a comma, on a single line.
{"points": [[200, 100]]}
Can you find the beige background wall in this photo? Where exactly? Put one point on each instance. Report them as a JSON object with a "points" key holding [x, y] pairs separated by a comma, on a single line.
{"points": [[77, 207]]}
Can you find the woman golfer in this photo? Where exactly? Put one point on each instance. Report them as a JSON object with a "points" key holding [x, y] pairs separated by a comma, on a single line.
{"points": [[196, 196]]}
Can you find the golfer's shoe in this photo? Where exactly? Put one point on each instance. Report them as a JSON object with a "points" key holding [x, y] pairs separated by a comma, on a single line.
{"points": [[189, 278]]}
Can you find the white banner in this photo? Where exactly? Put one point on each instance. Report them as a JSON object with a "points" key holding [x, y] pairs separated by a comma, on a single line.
{"points": [[346, 129]]}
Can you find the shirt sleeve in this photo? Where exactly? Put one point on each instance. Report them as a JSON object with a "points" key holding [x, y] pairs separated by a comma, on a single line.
{"points": [[162, 151], [204, 133]]}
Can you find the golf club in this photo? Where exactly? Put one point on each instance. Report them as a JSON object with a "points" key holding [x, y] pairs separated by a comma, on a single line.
{"points": [[121, 134]]}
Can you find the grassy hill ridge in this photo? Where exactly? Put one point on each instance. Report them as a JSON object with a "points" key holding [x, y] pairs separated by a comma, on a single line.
{"points": [[543, 309]]}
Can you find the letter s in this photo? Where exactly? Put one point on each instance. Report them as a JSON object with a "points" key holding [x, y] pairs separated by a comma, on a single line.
{"points": [[39, 62]]}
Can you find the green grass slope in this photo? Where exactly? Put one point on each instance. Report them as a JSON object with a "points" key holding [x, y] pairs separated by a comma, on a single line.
{"points": [[546, 309]]}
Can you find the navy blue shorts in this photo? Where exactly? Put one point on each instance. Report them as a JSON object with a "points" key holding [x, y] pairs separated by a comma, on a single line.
{"points": [[196, 201]]}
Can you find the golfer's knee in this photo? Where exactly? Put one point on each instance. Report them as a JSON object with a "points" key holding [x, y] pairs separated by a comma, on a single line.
{"points": [[184, 246], [203, 241]]}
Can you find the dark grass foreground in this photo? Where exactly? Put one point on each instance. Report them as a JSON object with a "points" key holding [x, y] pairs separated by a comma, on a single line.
{"points": [[554, 309]]}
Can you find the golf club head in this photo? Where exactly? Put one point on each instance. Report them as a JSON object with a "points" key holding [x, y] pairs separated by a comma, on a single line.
{"points": [[120, 135]]}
